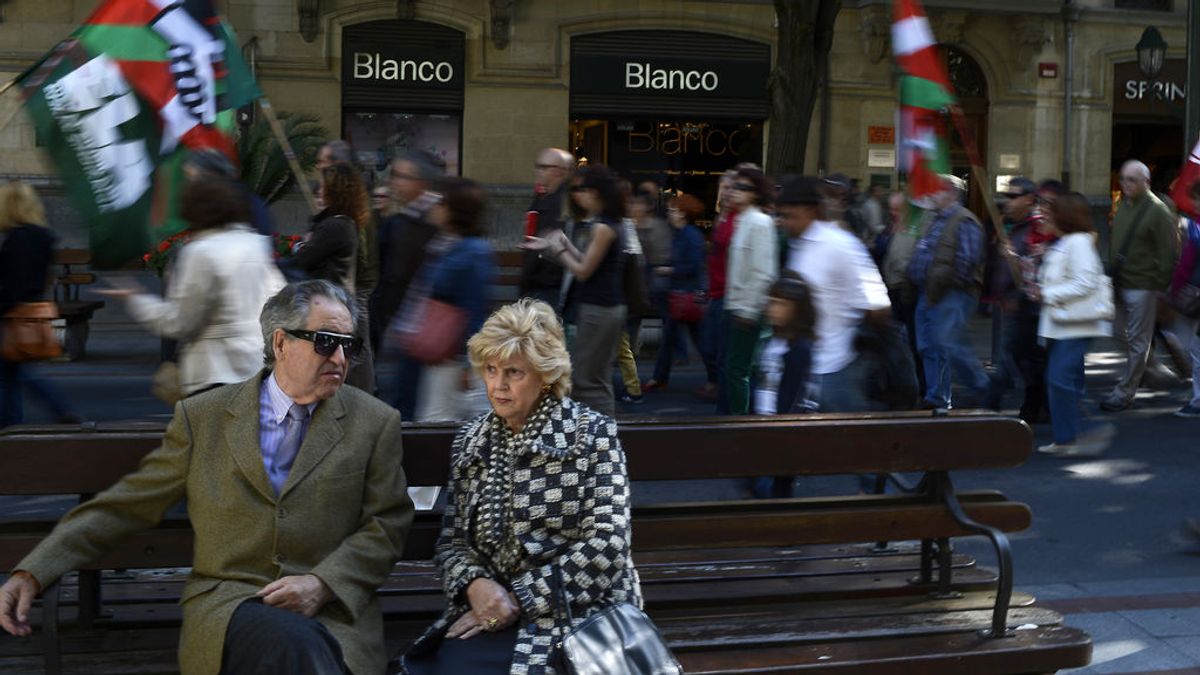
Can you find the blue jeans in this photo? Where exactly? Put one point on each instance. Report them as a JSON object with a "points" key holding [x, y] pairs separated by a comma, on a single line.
{"points": [[716, 340], [1065, 388], [14, 378], [942, 341]]}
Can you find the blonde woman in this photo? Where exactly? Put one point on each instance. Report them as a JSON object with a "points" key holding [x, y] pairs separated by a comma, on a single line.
{"points": [[538, 498], [25, 257]]}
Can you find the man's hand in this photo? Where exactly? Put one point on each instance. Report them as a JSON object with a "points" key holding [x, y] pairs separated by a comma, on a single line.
{"points": [[16, 597], [493, 606], [303, 594]]}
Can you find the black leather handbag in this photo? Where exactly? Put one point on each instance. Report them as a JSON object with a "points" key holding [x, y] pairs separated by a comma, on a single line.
{"points": [[617, 640]]}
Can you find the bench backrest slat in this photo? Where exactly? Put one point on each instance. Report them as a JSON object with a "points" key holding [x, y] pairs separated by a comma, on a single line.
{"points": [[51, 461]]}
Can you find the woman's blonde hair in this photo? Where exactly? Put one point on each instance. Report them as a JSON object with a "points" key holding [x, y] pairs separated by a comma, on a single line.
{"points": [[527, 328], [19, 205]]}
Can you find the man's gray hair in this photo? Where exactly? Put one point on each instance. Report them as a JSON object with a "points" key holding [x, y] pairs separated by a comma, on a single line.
{"points": [[429, 166], [289, 308], [1137, 168], [340, 152], [959, 185]]}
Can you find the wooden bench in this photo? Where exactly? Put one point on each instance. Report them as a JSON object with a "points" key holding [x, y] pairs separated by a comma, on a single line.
{"points": [[736, 586], [76, 312]]}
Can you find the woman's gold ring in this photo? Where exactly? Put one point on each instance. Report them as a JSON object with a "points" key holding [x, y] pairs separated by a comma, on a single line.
{"points": [[491, 623]]}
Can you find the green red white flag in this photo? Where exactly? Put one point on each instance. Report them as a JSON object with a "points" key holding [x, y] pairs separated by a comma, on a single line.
{"points": [[120, 102], [1181, 193], [925, 93]]}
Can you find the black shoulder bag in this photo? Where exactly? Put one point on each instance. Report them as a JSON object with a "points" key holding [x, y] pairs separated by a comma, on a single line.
{"points": [[1113, 270], [618, 640]]}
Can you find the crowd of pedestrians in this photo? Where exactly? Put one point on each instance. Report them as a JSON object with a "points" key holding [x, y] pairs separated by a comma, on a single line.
{"points": [[795, 294]]}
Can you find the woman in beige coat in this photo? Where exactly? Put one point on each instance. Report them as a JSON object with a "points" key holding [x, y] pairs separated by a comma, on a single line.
{"points": [[219, 284]]}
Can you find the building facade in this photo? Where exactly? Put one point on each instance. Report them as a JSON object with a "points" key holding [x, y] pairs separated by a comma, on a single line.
{"points": [[672, 90]]}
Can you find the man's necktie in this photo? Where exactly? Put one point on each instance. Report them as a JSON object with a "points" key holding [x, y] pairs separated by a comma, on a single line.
{"points": [[289, 447]]}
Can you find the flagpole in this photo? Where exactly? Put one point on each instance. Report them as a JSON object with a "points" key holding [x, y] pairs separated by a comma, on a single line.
{"points": [[981, 176], [290, 154], [8, 118]]}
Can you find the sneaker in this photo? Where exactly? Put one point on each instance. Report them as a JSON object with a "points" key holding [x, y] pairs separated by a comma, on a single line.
{"points": [[1054, 448], [1071, 449], [1190, 410], [630, 398], [1113, 405]]}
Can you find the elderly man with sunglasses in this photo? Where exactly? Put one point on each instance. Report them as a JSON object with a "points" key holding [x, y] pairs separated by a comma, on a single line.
{"points": [[295, 490]]}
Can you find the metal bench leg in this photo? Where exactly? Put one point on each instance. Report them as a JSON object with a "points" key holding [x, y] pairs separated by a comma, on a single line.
{"points": [[89, 597], [926, 562], [945, 569], [944, 489], [51, 648]]}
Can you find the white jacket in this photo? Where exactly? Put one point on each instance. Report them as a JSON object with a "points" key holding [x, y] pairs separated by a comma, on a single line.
{"points": [[1070, 270], [753, 264], [218, 286]]}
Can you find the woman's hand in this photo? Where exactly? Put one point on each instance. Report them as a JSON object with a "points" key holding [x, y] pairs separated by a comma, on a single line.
{"points": [[465, 628], [1033, 292], [493, 606], [538, 244], [554, 243], [119, 291]]}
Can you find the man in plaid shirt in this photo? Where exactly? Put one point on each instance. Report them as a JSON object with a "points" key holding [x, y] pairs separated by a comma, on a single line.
{"points": [[947, 270]]}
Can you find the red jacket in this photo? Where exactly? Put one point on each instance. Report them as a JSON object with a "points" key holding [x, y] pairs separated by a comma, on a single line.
{"points": [[718, 254]]}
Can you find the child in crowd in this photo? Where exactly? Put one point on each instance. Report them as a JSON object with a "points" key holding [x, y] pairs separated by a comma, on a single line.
{"points": [[783, 365]]}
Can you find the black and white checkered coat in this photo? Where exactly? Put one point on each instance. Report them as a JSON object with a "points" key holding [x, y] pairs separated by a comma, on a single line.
{"points": [[571, 513]]}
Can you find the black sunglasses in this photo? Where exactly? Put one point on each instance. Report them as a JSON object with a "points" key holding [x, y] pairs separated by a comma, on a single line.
{"points": [[326, 343], [578, 188], [744, 187]]}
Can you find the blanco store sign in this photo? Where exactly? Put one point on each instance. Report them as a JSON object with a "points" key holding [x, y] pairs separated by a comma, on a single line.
{"points": [[375, 66]]}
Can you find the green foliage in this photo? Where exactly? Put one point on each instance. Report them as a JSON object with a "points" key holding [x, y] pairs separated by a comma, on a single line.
{"points": [[264, 167]]}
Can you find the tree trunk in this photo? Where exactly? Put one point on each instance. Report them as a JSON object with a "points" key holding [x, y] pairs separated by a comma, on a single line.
{"points": [[805, 35]]}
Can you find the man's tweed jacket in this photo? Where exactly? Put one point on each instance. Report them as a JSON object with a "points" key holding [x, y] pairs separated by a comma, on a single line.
{"points": [[343, 515], [570, 505]]}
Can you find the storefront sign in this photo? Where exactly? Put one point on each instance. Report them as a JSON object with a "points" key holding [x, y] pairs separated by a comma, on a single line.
{"points": [[669, 74], [1163, 96], [644, 76], [374, 66], [608, 74], [403, 66]]}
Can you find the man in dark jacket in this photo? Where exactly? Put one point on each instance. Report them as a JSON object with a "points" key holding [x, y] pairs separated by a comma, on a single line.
{"points": [[542, 279], [1023, 355], [403, 236], [402, 240], [1142, 253]]}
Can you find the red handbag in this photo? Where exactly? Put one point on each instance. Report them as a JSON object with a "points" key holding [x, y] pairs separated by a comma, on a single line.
{"points": [[435, 334], [687, 306]]}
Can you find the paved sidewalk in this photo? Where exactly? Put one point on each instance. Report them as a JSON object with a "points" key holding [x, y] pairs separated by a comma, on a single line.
{"points": [[1138, 626]]}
